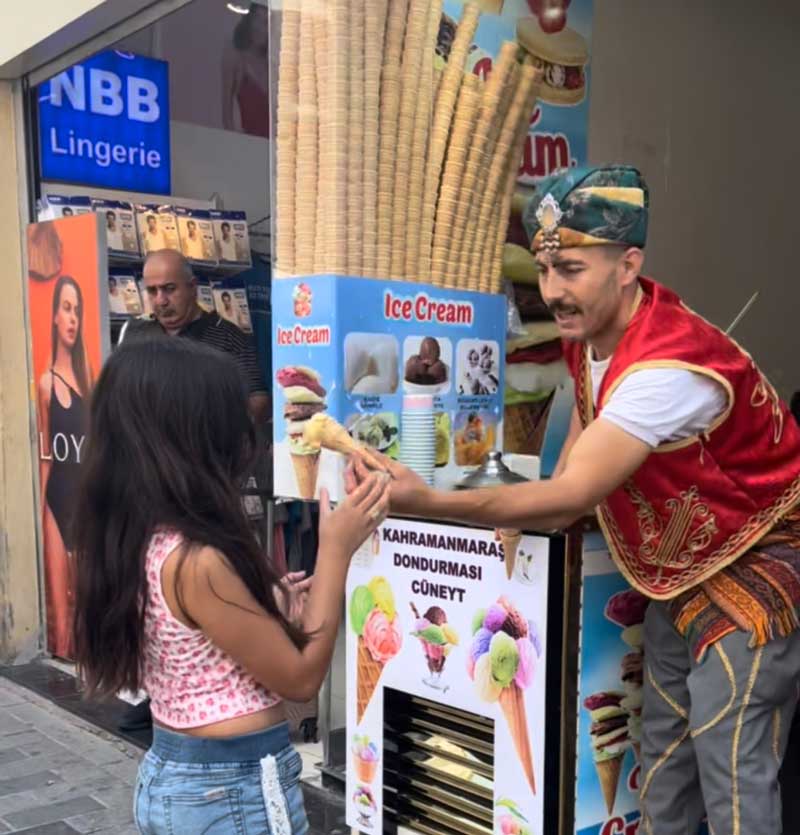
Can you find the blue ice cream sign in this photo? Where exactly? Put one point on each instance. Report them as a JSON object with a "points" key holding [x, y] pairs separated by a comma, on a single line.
{"points": [[105, 122]]}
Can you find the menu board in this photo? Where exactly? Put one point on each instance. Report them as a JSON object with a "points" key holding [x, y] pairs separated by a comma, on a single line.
{"points": [[353, 348], [432, 613]]}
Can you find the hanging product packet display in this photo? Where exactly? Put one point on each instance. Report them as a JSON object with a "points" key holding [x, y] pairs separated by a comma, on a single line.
{"points": [[232, 237], [158, 228], [196, 233], [120, 221]]}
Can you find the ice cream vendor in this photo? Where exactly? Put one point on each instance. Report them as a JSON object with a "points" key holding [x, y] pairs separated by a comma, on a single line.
{"points": [[693, 464]]}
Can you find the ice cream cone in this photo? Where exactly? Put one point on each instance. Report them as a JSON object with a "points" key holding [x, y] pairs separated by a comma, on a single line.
{"points": [[368, 672], [608, 771], [323, 430], [510, 540], [365, 771], [306, 470], [512, 700]]}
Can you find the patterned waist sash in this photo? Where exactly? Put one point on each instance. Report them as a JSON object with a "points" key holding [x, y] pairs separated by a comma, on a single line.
{"points": [[759, 594]]}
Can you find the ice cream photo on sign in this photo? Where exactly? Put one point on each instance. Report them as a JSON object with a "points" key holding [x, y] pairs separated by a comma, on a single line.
{"points": [[627, 609], [510, 820], [437, 638], [365, 758], [305, 398], [373, 617], [610, 740], [366, 807], [501, 661]]}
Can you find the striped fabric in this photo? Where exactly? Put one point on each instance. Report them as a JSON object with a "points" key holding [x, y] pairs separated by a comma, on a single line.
{"points": [[759, 594]]}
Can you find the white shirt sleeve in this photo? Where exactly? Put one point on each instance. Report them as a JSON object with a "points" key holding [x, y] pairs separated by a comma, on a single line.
{"points": [[662, 405]]}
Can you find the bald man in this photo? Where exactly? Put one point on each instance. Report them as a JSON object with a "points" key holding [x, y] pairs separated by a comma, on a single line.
{"points": [[171, 288]]}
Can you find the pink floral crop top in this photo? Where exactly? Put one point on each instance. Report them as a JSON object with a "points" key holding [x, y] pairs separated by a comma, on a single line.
{"points": [[189, 681]]}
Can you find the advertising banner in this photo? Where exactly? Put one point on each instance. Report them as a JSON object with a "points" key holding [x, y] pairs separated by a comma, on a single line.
{"points": [[432, 613], [68, 307], [353, 348], [612, 664], [556, 34]]}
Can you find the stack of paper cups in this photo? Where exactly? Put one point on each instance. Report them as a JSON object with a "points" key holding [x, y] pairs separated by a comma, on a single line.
{"points": [[418, 438]]}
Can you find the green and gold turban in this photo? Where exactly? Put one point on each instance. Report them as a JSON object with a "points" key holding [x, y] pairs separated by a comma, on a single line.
{"points": [[588, 207]]}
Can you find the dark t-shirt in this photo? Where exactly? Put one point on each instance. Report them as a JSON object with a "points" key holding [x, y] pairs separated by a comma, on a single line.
{"points": [[212, 330]]}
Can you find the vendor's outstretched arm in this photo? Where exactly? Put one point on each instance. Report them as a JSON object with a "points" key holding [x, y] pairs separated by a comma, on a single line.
{"points": [[602, 458]]}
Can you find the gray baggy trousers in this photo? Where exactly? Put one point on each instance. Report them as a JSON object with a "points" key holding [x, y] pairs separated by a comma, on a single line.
{"points": [[714, 733]]}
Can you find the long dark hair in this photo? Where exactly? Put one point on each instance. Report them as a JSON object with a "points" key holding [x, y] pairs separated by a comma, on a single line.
{"points": [[170, 440], [79, 364]]}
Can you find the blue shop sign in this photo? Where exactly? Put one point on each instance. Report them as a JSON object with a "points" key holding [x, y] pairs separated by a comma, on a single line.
{"points": [[105, 122]]}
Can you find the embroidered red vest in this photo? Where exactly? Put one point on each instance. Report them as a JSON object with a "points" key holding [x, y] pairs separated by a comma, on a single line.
{"points": [[696, 505]]}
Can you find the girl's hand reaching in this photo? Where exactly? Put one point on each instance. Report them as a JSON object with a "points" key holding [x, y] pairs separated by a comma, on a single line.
{"points": [[347, 528]]}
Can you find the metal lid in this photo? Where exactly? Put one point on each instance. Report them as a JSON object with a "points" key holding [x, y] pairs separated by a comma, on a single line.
{"points": [[492, 473]]}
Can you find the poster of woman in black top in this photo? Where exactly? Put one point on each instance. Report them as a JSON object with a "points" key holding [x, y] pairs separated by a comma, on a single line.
{"points": [[67, 348]]}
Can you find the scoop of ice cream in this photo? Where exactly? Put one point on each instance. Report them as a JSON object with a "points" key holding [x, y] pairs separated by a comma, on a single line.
{"points": [[633, 667], [486, 686], [382, 637], [433, 635], [362, 603], [515, 625], [527, 664], [626, 608], [634, 636], [481, 641], [296, 375], [437, 372], [382, 592], [436, 615], [602, 699], [478, 619], [302, 411], [495, 618], [421, 624], [504, 657], [416, 370], [450, 634], [364, 800], [301, 394], [429, 350], [633, 701]]}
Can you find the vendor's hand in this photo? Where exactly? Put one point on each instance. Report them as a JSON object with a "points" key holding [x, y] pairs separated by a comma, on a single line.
{"points": [[409, 493], [295, 587], [354, 520]]}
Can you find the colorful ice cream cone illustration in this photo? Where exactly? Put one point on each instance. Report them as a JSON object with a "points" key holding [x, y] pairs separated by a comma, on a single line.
{"points": [[501, 662], [365, 759], [610, 740], [373, 617], [510, 540], [627, 610], [305, 398], [437, 638], [510, 820]]}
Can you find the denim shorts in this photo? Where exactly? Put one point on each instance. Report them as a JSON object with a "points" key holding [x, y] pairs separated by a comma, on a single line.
{"points": [[244, 785]]}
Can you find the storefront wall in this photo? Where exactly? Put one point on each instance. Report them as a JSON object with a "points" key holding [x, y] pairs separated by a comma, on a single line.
{"points": [[701, 96], [20, 618]]}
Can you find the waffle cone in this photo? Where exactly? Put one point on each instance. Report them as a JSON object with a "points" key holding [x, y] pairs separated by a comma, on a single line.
{"points": [[326, 432], [510, 540], [608, 772], [306, 470], [368, 673], [512, 700], [442, 118], [524, 426]]}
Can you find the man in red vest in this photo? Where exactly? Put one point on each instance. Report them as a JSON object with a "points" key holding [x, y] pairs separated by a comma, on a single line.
{"points": [[693, 465]]}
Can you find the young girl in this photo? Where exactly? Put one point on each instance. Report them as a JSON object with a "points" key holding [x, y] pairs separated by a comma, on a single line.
{"points": [[175, 597]]}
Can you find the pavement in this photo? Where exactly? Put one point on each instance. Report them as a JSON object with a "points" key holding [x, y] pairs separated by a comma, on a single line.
{"points": [[60, 775]]}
